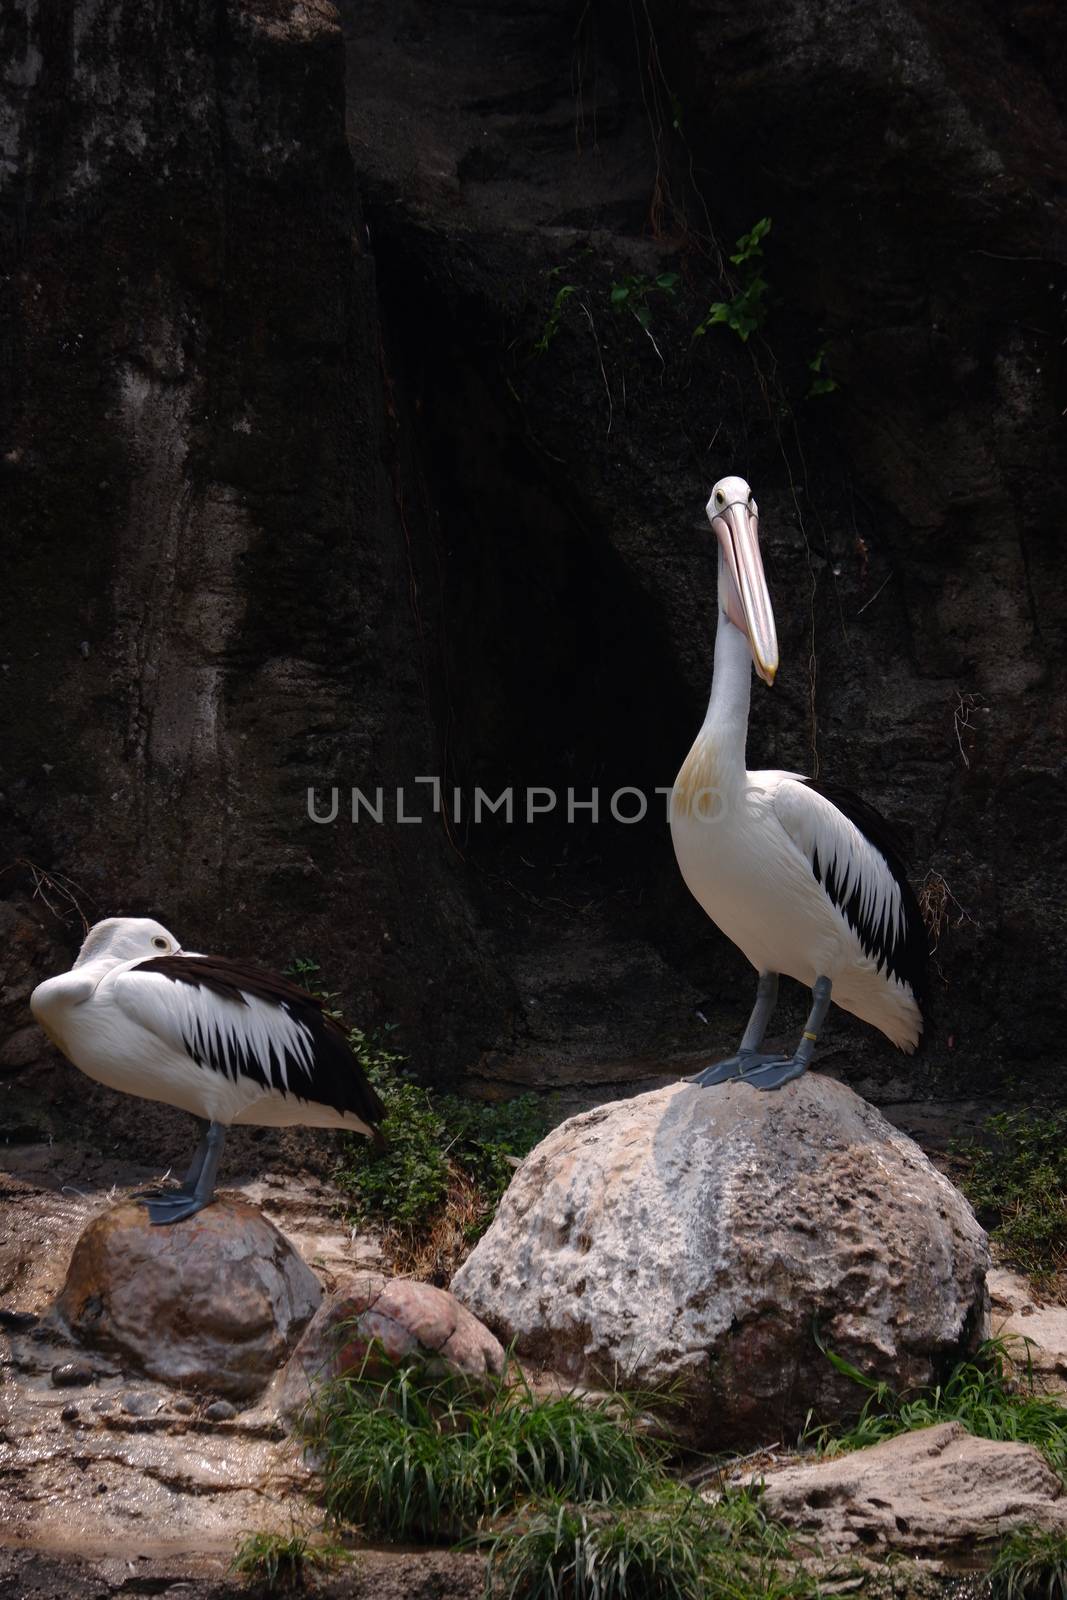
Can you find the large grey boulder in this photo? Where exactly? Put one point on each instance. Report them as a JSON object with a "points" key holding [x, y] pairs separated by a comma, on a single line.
{"points": [[938, 1493], [705, 1235]]}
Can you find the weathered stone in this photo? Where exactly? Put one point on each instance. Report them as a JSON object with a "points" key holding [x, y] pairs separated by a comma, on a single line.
{"points": [[215, 1302], [705, 1234], [1018, 1315], [137, 1403], [937, 1492], [370, 1317], [220, 1411]]}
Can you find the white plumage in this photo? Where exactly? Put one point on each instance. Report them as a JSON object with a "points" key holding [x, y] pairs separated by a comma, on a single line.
{"points": [[219, 1038], [803, 878]]}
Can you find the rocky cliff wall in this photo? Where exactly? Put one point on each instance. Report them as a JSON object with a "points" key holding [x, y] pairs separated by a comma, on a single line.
{"points": [[293, 497]]}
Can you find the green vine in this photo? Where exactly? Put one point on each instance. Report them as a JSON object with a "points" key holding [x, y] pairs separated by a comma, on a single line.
{"points": [[747, 311], [631, 293]]}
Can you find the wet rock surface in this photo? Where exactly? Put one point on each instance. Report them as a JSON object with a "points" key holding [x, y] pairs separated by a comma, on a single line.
{"points": [[371, 1316], [182, 1483], [213, 1303], [939, 1492], [125, 1470], [374, 1575], [701, 1234]]}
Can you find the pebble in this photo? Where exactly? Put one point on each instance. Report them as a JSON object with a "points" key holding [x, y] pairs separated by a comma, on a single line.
{"points": [[140, 1404], [70, 1373], [220, 1411], [69, 1413], [184, 1406]]}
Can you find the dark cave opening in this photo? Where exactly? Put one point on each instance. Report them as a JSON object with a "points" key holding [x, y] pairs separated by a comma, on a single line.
{"points": [[549, 668]]}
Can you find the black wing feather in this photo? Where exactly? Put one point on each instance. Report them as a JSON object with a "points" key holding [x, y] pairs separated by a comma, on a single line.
{"points": [[337, 1079], [906, 956]]}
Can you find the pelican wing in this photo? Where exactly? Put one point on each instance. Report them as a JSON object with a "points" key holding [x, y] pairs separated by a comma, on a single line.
{"points": [[855, 859], [236, 1019]]}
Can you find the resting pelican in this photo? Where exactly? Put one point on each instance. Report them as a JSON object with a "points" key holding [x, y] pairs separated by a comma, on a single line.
{"points": [[803, 877], [220, 1038]]}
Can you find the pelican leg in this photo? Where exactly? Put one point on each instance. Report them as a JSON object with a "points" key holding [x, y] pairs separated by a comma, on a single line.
{"points": [[752, 1038], [188, 1185], [200, 1154], [771, 1074], [187, 1201]]}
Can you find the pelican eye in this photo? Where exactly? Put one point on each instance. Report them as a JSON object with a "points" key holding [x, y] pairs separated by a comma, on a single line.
{"points": [[719, 497], [160, 944]]}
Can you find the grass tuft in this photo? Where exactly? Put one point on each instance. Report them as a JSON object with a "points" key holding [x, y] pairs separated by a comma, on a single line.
{"points": [[280, 1563], [569, 1498], [1030, 1565], [672, 1545], [415, 1456], [992, 1396]]}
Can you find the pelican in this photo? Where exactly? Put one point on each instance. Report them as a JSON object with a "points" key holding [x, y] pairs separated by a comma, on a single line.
{"points": [[220, 1038], [804, 877]]}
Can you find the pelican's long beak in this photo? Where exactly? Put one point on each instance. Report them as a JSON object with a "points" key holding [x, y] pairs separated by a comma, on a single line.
{"points": [[749, 608]]}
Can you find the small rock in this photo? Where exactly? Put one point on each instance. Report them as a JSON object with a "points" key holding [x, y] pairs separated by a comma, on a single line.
{"points": [[368, 1313], [70, 1374], [184, 1406], [214, 1303], [936, 1492], [17, 1321], [69, 1413], [220, 1411], [140, 1404]]}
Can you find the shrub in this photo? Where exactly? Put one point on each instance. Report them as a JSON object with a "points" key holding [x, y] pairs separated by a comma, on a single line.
{"points": [[446, 1161], [1017, 1184], [280, 1563]]}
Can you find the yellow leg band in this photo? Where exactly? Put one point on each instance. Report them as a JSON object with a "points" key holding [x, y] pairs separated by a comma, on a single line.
{"points": [[814, 1037]]}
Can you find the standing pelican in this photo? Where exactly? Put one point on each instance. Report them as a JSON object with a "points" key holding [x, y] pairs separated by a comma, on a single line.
{"points": [[220, 1038], [803, 877]]}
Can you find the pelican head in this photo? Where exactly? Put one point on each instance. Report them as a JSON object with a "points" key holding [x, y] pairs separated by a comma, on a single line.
{"points": [[743, 596], [127, 939]]}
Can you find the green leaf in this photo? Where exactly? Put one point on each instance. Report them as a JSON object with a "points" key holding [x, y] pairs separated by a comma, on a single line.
{"points": [[751, 244]]}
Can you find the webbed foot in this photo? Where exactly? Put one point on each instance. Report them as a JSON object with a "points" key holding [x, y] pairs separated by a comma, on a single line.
{"points": [[174, 1207], [741, 1065], [718, 1072], [774, 1072]]}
